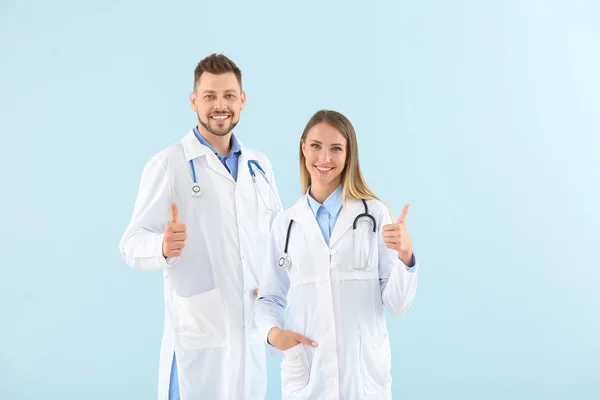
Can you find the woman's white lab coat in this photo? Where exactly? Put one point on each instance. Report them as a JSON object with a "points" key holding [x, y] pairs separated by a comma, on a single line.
{"points": [[340, 309], [208, 290]]}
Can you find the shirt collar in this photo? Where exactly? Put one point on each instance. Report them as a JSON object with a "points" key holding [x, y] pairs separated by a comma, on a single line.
{"points": [[235, 145], [332, 204]]}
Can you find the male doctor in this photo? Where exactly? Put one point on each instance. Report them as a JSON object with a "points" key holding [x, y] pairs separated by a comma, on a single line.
{"points": [[202, 219]]}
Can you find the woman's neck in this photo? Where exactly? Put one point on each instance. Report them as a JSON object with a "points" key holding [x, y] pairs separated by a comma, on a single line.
{"points": [[321, 191]]}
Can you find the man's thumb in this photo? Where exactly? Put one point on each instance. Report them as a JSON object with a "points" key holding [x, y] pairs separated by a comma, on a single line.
{"points": [[174, 213]]}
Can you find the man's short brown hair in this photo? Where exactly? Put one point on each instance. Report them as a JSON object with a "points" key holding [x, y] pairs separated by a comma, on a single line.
{"points": [[216, 64]]}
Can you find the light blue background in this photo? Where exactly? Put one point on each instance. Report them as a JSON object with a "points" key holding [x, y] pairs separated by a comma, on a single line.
{"points": [[485, 116]]}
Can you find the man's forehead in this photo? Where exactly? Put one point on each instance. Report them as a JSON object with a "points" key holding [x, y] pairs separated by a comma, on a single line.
{"points": [[213, 90], [218, 83]]}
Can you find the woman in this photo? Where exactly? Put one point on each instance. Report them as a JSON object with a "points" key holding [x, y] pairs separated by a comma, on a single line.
{"points": [[335, 275]]}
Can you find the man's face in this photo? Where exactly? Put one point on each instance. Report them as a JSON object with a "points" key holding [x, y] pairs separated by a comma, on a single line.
{"points": [[218, 101]]}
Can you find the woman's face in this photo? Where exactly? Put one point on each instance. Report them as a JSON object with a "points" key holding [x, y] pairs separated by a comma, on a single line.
{"points": [[325, 151]]}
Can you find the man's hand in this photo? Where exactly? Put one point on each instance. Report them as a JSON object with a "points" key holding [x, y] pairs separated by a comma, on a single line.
{"points": [[175, 235]]}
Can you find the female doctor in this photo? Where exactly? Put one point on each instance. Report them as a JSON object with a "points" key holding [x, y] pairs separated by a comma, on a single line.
{"points": [[335, 260]]}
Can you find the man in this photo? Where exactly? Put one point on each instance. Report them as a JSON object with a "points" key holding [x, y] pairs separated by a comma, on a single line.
{"points": [[203, 218]]}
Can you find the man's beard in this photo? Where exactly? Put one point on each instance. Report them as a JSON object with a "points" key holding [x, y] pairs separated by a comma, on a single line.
{"points": [[217, 132]]}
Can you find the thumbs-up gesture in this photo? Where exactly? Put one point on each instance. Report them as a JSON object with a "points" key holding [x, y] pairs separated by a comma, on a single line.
{"points": [[175, 235], [395, 236]]}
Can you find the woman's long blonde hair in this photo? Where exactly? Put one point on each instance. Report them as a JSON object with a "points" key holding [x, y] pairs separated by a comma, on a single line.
{"points": [[353, 183]]}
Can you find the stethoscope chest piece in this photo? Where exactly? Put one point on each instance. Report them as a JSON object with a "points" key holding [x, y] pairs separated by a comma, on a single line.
{"points": [[285, 262], [196, 191]]}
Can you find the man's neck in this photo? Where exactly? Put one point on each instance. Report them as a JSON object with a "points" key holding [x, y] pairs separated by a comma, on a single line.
{"points": [[221, 144]]}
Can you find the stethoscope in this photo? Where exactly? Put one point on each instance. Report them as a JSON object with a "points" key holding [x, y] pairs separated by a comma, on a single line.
{"points": [[271, 188], [285, 261], [197, 191]]}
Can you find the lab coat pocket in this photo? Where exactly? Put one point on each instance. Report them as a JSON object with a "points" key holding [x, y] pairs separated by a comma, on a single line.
{"points": [[375, 364], [200, 320], [295, 371], [364, 250]]}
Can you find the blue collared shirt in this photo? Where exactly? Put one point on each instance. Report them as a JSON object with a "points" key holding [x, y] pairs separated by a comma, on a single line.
{"points": [[230, 161], [328, 212]]}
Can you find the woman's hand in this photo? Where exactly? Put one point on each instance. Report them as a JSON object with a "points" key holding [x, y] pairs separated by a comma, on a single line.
{"points": [[395, 236], [286, 339]]}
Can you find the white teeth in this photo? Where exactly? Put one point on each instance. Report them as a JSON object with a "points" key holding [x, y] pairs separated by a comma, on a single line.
{"points": [[324, 169], [220, 116]]}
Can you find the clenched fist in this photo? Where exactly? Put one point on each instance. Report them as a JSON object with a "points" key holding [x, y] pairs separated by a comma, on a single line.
{"points": [[395, 236], [175, 235]]}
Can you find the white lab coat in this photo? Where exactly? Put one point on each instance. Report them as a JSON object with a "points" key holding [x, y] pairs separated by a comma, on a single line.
{"points": [[208, 290], [340, 309]]}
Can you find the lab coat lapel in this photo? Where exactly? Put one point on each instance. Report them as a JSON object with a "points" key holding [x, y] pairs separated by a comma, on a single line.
{"points": [[192, 148], [347, 216], [244, 179], [304, 216]]}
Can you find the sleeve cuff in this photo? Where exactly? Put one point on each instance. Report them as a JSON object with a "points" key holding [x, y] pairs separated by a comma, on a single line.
{"points": [[272, 350], [265, 333], [414, 264], [164, 261]]}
